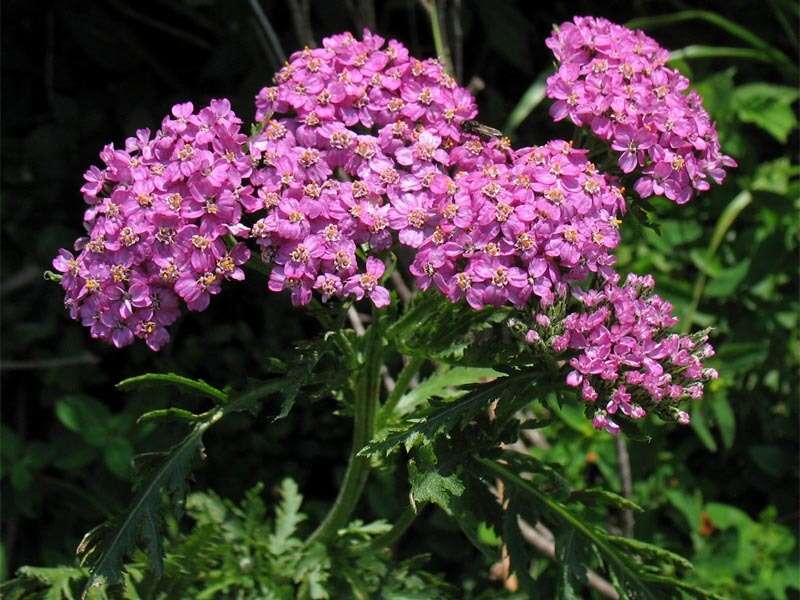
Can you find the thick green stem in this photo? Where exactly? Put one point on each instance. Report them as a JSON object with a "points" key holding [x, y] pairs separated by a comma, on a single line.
{"points": [[400, 388], [365, 406]]}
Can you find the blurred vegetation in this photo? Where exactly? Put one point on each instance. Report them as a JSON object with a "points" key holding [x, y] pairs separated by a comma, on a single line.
{"points": [[79, 74]]}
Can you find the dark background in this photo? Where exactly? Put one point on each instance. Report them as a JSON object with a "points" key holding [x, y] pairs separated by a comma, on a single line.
{"points": [[78, 74]]}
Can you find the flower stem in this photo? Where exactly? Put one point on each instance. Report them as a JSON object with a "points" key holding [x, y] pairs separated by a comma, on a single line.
{"points": [[365, 407], [405, 377]]}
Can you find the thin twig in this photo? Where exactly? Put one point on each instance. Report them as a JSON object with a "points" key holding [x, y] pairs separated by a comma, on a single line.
{"points": [[177, 32], [301, 17], [439, 38], [264, 43], [458, 40], [267, 26], [536, 538], [363, 13], [475, 85], [48, 363], [355, 321], [20, 279], [400, 285], [624, 464]]}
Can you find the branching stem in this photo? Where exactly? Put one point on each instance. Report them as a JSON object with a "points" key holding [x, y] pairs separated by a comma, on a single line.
{"points": [[365, 406]]}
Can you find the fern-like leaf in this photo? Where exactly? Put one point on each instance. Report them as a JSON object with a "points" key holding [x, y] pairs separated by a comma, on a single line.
{"points": [[443, 417], [105, 548], [196, 386], [287, 518], [631, 579]]}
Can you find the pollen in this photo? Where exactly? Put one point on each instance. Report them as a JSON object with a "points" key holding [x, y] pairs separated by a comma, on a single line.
{"points": [[144, 200], [97, 245], [186, 152], [226, 264], [166, 235], [300, 254], [170, 272], [309, 157], [492, 249], [206, 279], [360, 189], [395, 105], [331, 233], [368, 282], [341, 260], [128, 236], [312, 190], [271, 200], [591, 186], [340, 140], [200, 242], [500, 277], [120, 273], [365, 149], [524, 241], [174, 201], [417, 218], [425, 97], [491, 189], [503, 211]]}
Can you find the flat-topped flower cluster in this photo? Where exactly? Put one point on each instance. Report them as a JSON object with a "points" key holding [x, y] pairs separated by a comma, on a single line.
{"points": [[360, 148], [615, 81], [159, 212]]}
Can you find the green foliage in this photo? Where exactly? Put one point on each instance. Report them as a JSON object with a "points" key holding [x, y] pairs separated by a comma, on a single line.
{"points": [[441, 418], [767, 106]]}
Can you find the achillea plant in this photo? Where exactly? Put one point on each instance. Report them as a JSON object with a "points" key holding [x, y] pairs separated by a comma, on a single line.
{"points": [[365, 162]]}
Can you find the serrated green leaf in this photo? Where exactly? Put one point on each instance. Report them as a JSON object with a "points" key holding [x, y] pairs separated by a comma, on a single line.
{"points": [[517, 549], [430, 485], [438, 329], [572, 556], [197, 386], [601, 496], [649, 552], [632, 581], [287, 517], [57, 580], [444, 383], [442, 418], [170, 414]]}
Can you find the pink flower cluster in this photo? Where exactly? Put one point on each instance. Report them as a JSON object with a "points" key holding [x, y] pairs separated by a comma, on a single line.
{"points": [[354, 147], [616, 81], [504, 233], [159, 212], [626, 356], [360, 146]]}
